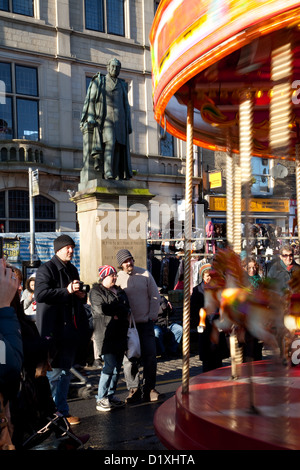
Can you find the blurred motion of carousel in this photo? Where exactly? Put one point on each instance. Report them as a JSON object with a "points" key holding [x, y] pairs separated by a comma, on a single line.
{"points": [[226, 76]]}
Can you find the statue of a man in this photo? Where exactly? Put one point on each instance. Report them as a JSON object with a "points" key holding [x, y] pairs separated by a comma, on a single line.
{"points": [[107, 110]]}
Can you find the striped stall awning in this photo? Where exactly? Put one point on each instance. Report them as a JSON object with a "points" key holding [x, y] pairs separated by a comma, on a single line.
{"points": [[43, 247]]}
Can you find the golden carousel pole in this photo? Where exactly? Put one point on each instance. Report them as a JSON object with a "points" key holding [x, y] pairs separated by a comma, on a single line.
{"points": [[246, 139], [246, 144], [187, 252], [237, 206], [229, 191], [233, 230], [280, 141], [242, 184]]}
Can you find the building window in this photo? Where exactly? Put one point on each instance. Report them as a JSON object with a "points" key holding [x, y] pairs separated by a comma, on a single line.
{"points": [[22, 7], [106, 16], [14, 212], [20, 110], [166, 145], [262, 181]]}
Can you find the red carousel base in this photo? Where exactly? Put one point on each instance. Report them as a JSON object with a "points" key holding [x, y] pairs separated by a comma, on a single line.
{"points": [[219, 414]]}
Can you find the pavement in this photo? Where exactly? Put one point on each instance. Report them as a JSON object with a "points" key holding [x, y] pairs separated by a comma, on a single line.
{"points": [[130, 427]]}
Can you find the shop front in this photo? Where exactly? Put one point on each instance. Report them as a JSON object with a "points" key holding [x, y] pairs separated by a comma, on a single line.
{"points": [[268, 216], [261, 210]]}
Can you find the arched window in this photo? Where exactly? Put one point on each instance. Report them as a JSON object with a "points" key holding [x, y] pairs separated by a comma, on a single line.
{"points": [[4, 154], [14, 212]]}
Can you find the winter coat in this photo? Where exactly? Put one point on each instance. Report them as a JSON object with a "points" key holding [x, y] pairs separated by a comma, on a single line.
{"points": [[281, 275], [110, 334], [164, 313], [11, 352], [60, 316], [142, 293]]}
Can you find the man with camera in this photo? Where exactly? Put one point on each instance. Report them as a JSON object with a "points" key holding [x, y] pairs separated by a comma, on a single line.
{"points": [[61, 318]]}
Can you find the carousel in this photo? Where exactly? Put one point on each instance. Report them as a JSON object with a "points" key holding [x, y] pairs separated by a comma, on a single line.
{"points": [[226, 76]]}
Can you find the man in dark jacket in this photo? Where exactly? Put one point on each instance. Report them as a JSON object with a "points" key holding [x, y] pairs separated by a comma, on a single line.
{"points": [[281, 270], [60, 317]]}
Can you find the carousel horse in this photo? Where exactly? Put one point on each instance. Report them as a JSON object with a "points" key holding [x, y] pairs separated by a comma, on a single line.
{"points": [[256, 310]]}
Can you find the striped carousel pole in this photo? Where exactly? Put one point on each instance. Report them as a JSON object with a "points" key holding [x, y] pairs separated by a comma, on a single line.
{"points": [[187, 252], [229, 191], [237, 207], [246, 141]]}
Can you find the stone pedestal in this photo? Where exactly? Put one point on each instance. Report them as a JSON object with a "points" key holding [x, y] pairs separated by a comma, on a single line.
{"points": [[112, 215]]}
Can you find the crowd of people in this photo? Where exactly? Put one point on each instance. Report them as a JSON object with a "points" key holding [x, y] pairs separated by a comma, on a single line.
{"points": [[46, 329]]}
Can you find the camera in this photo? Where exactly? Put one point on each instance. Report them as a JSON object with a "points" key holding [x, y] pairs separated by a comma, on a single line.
{"points": [[84, 287]]}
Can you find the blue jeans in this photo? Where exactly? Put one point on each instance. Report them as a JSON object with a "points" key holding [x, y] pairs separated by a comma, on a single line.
{"points": [[59, 380], [176, 336], [109, 375]]}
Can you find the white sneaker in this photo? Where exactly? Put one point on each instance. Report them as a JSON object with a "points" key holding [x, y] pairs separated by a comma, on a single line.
{"points": [[103, 405], [115, 402]]}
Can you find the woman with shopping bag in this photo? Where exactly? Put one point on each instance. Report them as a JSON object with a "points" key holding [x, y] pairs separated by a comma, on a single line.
{"points": [[110, 310]]}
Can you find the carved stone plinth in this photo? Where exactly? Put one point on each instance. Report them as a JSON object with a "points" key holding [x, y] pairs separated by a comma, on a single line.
{"points": [[111, 215]]}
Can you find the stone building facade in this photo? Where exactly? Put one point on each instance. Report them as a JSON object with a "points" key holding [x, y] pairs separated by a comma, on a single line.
{"points": [[49, 49]]}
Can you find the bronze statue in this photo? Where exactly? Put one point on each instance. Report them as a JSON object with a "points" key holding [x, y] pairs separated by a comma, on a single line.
{"points": [[106, 110]]}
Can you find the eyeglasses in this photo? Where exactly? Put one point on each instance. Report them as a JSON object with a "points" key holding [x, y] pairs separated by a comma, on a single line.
{"points": [[287, 256]]}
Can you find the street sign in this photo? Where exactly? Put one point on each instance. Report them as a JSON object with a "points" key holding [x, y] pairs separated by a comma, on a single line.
{"points": [[35, 183], [215, 179]]}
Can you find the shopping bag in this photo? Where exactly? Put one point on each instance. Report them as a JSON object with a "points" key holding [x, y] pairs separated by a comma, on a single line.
{"points": [[133, 341]]}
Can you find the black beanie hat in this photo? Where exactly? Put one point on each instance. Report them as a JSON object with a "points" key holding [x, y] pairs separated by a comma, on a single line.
{"points": [[123, 255], [61, 241]]}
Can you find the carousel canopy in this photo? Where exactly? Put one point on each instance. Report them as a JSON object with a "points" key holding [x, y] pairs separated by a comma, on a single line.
{"points": [[215, 52]]}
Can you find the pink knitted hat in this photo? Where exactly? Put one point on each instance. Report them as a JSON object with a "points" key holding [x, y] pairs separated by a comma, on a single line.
{"points": [[203, 268], [106, 270]]}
